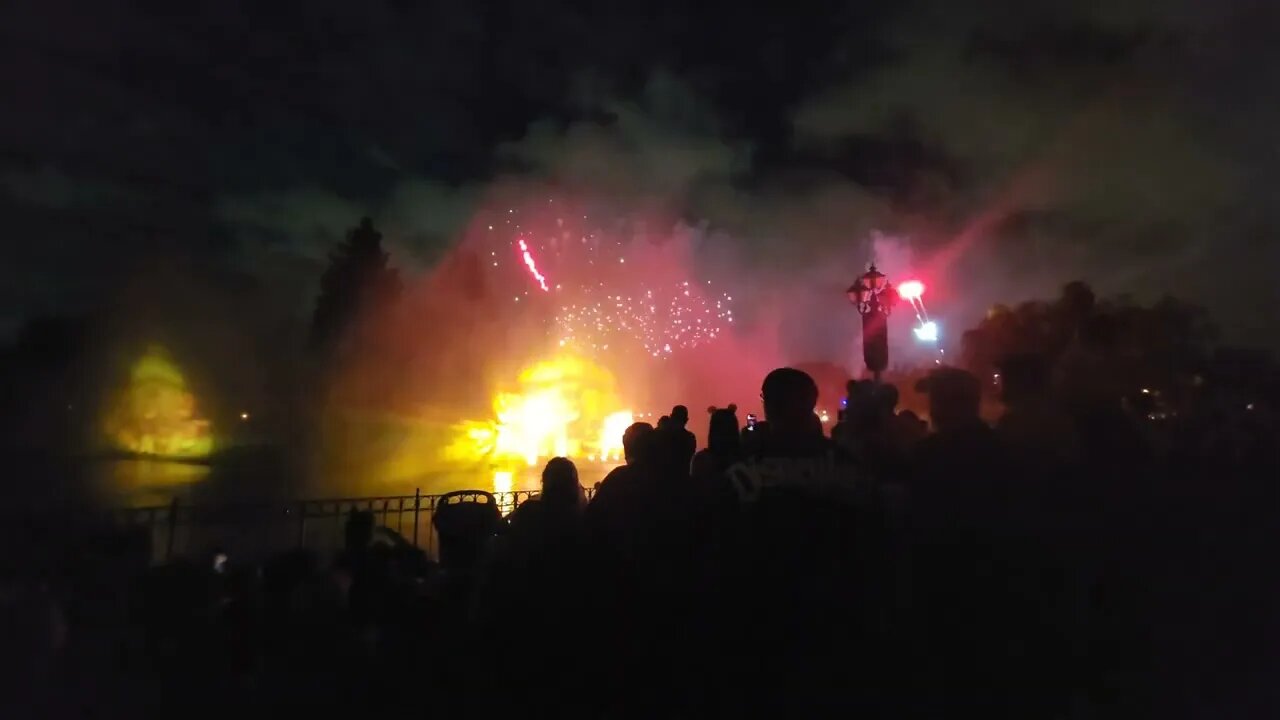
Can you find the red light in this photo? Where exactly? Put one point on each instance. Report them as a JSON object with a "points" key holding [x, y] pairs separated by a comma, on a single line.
{"points": [[911, 290], [533, 266]]}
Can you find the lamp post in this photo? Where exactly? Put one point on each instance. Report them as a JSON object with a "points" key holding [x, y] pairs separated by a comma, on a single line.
{"points": [[874, 298]]}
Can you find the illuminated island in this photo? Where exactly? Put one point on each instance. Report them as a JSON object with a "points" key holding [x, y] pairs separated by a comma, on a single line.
{"points": [[155, 415]]}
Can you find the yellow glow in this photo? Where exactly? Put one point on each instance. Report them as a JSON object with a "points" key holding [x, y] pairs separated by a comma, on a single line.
{"points": [[610, 443], [502, 483], [156, 414], [565, 405], [536, 424]]}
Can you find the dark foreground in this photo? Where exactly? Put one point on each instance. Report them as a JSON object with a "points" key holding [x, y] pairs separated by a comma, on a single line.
{"points": [[1063, 564]]}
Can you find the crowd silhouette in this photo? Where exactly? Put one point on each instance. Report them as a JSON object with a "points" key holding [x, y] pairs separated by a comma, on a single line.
{"points": [[1073, 560]]}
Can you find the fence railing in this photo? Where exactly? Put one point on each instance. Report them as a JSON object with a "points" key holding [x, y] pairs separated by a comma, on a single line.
{"points": [[263, 527]]}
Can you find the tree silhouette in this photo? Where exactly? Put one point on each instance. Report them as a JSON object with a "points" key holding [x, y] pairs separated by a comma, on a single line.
{"points": [[1129, 345], [357, 282]]}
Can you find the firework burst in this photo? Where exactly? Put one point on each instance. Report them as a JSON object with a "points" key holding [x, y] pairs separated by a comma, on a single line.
{"points": [[661, 320], [614, 290]]}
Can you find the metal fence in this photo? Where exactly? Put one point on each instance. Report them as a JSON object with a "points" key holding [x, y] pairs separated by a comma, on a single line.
{"points": [[256, 529]]}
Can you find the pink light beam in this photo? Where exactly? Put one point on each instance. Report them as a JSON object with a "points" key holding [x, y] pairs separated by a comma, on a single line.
{"points": [[912, 291], [533, 266]]}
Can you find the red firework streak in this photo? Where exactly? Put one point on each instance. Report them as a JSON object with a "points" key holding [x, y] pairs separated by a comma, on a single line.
{"points": [[533, 266]]}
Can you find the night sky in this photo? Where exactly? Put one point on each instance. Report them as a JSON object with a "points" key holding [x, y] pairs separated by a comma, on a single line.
{"points": [[1012, 146]]}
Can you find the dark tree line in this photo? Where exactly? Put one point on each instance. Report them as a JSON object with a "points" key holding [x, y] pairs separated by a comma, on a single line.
{"points": [[1117, 347]]}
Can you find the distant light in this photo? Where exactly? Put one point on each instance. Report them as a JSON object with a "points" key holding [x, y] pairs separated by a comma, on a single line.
{"points": [[911, 289], [1146, 391], [928, 332], [1246, 407], [244, 416]]}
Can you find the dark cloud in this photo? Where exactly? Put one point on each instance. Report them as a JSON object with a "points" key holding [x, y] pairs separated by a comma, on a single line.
{"points": [[1090, 143], [665, 141], [1128, 143]]}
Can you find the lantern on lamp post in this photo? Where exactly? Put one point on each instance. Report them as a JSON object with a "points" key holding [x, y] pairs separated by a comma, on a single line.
{"points": [[874, 298]]}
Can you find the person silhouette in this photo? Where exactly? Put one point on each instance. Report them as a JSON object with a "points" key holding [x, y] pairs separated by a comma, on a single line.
{"points": [[638, 528], [676, 445], [539, 573], [788, 554], [724, 446], [623, 482], [561, 502], [790, 397], [958, 489]]}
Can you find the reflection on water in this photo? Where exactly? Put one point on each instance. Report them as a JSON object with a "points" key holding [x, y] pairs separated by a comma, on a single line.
{"points": [[139, 482], [142, 482]]}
